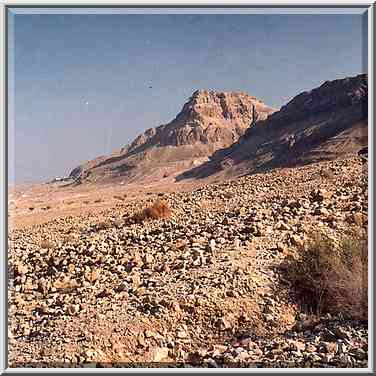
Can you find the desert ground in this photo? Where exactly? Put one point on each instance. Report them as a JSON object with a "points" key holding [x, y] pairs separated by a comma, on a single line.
{"points": [[206, 287], [38, 203]]}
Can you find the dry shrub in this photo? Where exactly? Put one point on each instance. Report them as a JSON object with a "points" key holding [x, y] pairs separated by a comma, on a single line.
{"points": [[121, 198], [69, 239], [105, 225], [119, 223], [327, 173], [46, 244], [86, 202], [98, 200], [160, 209], [332, 277]]}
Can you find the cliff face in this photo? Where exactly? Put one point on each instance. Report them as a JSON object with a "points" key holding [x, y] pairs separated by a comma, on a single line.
{"points": [[325, 123], [207, 122], [207, 118]]}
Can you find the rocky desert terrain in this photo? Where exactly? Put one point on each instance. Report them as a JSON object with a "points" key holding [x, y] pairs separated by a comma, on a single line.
{"points": [[205, 287], [179, 249]]}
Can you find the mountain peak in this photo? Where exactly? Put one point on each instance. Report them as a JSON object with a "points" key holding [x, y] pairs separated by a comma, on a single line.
{"points": [[208, 117], [208, 121], [327, 122]]}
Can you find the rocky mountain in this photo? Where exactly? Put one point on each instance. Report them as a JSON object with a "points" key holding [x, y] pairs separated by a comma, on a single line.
{"points": [[325, 123], [207, 122]]}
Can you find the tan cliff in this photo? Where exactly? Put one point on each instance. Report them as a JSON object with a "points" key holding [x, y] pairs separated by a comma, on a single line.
{"points": [[208, 121]]}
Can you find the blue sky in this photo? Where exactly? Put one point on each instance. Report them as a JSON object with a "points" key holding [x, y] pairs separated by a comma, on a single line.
{"points": [[81, 82]]}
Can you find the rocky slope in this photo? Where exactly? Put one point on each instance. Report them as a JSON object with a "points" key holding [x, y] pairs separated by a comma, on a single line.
{"points": [[325, 123], [204, 288], [208, 121]]}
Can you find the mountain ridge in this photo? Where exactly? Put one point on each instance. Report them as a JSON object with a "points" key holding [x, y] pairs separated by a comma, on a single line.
{"points": [[324, 123], [208, 121]]}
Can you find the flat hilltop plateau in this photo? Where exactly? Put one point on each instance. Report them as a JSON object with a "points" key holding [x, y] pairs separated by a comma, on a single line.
{"points": [[92, 282]]}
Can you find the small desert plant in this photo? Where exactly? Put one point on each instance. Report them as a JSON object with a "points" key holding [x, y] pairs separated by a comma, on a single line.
{"points": [[332, 277], [119, 223], [121, 198], [105, 225], [160, 209], [31, 208], [86, 202], [327, 173], [69, 239], [98, 200], [46, 244]]}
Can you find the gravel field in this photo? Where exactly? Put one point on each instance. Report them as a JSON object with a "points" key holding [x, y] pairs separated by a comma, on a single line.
{"points": [[204, 288]]}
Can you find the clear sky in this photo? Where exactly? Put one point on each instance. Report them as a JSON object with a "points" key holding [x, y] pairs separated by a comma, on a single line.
{"points": [[81, 84]]}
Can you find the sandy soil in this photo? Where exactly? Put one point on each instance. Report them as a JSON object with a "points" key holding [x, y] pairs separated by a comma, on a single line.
{"points": [[39, 203]]}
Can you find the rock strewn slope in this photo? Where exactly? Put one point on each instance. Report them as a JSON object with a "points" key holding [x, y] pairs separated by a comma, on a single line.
{"points": [[201, 288]]}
